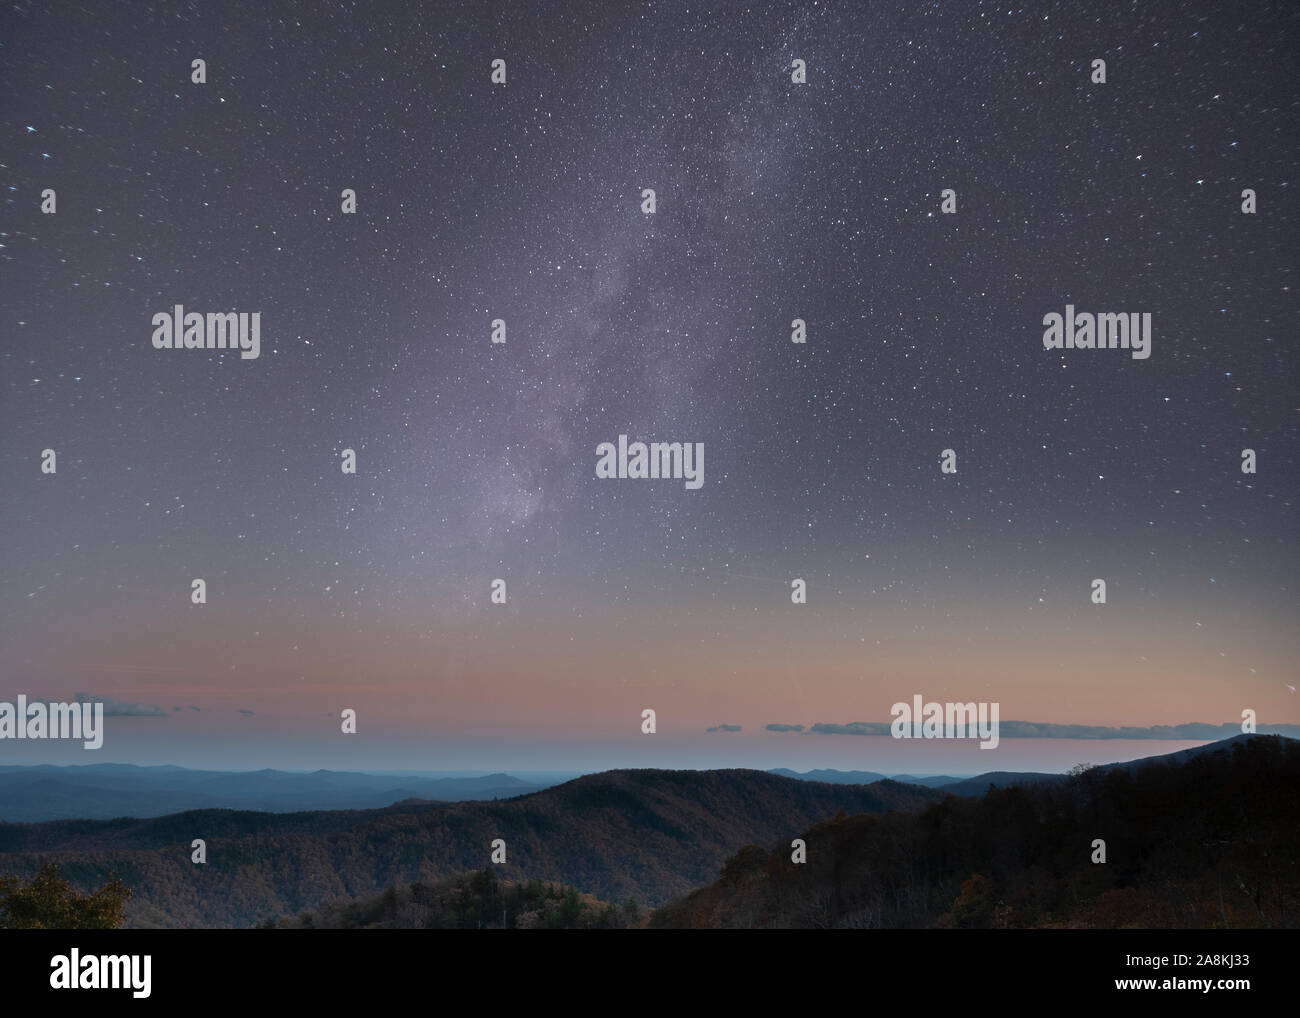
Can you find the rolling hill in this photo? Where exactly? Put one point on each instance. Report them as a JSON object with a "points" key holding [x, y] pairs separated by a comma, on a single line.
{"points": [[1203, 838], [648, 835]]}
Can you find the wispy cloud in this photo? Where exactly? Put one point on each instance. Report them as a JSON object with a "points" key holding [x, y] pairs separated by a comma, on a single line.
{"points": [[1191, 731], [119, 709], [852, 728]]}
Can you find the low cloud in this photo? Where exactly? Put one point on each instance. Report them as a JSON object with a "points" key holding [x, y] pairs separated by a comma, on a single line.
{"points": [[724, 728], [246, 713], [119, 709], [852, 728], [783, 728]]}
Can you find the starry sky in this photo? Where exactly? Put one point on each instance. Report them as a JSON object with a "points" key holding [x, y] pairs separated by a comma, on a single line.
{"points": [[523, 201]]}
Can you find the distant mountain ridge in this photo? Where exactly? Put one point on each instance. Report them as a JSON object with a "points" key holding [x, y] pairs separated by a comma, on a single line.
{"points": [[978, 784], [106, 791], [835, 777], [981, 783], [34, 794]]}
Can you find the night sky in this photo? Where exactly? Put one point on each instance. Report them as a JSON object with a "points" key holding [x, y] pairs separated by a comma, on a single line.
{"points": [[523, 202]]}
